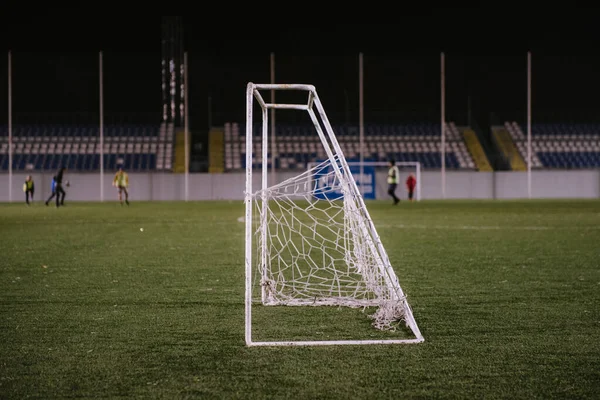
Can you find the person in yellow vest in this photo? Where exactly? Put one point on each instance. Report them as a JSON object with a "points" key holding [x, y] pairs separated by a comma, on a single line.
{"points": [[28, 188], [121, 182], [393, 179]]}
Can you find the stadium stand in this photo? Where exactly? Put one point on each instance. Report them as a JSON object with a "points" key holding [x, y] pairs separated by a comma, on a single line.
{"points": [[476, 150], [299, 145], [216, 157], [508, 148], [179, 153], [137, 148], [558, 145]]}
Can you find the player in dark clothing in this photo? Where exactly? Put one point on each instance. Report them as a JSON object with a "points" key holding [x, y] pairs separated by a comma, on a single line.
{"points": [[53, 189], [58, 190]]}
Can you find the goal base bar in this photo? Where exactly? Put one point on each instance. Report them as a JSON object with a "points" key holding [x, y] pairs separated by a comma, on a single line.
{"points": [[335, 342]]}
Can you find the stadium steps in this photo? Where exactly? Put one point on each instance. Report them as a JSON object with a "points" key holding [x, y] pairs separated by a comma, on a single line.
{"points": [[216, 148], [509, 149], [179, 160], [472, 142]]}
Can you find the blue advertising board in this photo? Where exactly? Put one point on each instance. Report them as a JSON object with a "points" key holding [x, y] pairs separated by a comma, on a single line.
{"points": [[327, 187]]}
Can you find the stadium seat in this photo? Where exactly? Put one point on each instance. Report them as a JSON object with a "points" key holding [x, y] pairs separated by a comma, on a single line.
{"points": [[559, 145], [47, 146], [299, 145]]}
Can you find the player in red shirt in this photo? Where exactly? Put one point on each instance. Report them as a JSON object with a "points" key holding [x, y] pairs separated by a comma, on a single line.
{"points": [[411, 183]]}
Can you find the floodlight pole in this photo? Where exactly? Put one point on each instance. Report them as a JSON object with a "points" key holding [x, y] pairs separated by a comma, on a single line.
{"points": [[101, 133], [361, 123], [529, 124], [186, 99], [443, 122], [273, 131], [10, 146]]}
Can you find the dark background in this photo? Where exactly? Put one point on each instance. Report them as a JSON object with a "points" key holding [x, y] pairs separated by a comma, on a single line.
{"points": [[55, 62]]}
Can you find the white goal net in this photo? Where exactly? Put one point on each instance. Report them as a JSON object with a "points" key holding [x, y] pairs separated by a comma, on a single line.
{"points": [[315, 245]]}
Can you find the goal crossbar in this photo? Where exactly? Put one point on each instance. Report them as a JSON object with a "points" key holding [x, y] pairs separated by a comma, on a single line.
{"points": [[363, 228]]}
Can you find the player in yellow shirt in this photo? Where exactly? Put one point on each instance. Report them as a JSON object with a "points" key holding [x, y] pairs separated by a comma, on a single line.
{"points": [[121, 182], [28, 188], [393, 178]]}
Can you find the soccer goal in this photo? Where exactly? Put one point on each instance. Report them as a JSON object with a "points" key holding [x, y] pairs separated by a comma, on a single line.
{"points": [[308, 264], [365, 174]]}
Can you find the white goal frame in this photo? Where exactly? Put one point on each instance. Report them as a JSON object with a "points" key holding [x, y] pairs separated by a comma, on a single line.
{"points": [[332, 148], [415, 164]]}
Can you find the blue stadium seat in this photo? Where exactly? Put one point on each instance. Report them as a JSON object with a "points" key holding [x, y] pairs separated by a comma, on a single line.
{"points": [[567, 160], [47, 146], [300, 145]]}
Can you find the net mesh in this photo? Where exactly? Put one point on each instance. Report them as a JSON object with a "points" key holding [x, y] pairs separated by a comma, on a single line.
{"points": [[315, 247]]}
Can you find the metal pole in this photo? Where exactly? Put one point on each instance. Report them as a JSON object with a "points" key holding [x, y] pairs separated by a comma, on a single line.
{"points": [[101, 133], [443, 122], [529, 124], [361, 122], [186, 97], [273, 131], [10, 146], [248, 207], [418, 177]]}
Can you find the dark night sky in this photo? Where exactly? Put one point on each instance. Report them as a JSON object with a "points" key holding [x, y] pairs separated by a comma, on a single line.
{"points": [[55, 61]]}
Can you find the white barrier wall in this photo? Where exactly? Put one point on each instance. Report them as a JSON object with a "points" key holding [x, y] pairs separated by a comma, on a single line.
{"points": [[231, 186]]}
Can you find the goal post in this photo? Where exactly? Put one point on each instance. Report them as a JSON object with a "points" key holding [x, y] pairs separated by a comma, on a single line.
{"points": [[367, 183], [301, 254]]}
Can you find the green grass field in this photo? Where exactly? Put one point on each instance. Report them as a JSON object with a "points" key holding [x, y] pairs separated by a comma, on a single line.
{"points": [[506, 294]]}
